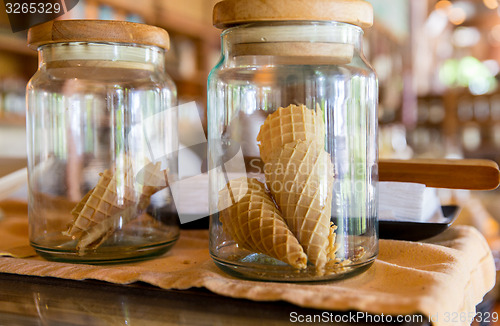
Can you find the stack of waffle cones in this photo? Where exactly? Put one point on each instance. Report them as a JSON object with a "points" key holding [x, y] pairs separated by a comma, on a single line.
{"points": [[118, 197], [301, 181], [287, 125], [254, 222], [299, 176]]}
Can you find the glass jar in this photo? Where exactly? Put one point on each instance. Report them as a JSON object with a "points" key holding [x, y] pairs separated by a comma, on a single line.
{"points": [[292, 125], [102, 142]]}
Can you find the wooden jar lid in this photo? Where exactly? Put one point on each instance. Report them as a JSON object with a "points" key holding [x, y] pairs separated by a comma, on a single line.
{"points": [[228, 13], [62, 31]]}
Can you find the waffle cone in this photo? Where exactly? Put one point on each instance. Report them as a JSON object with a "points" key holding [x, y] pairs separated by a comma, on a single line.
{"points": [[287, 125], [252, 219], [113, 201], [151, 179], [74, 230], [301, 181]]}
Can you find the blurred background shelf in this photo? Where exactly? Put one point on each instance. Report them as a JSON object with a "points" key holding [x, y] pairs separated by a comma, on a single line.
{"points": [[431, 105], [14, 45], [195, 45], [15, 120], [143, 8]]}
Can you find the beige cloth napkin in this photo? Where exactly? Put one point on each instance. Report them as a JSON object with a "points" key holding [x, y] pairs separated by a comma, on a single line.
{"points": [[442, 277]]}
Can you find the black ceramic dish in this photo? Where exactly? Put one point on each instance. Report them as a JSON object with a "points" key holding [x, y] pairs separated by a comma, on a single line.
{"points": [[414, 231], [396, 230]]}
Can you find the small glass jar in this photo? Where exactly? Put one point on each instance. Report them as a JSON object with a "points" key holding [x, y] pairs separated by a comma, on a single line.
{"points": [[292, 125], [102, 142]]}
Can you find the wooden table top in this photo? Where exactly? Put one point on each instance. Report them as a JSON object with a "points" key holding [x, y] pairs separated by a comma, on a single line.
{"points": [[28, 300]]}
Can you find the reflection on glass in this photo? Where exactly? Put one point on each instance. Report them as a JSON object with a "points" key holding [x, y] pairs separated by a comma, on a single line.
{"points": [[481, 109], [436, 113], [465, 110], [423, 112], [495, 107], [471, 137], [496, 135]]}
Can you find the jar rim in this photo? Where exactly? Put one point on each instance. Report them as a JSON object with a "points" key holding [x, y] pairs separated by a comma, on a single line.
{"points": [[290, 23], [293, 43]]}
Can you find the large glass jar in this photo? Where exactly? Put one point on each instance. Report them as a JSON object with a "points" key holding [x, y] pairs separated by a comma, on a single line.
{"points": [[292, 125], [102, 142]]}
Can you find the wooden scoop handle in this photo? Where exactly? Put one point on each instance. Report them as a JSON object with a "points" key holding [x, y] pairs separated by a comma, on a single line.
{"points": [[441, 173]]}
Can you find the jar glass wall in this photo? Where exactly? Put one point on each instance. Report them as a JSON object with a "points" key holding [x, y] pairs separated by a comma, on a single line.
{"points": [[101, 139], [296, 102]]}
